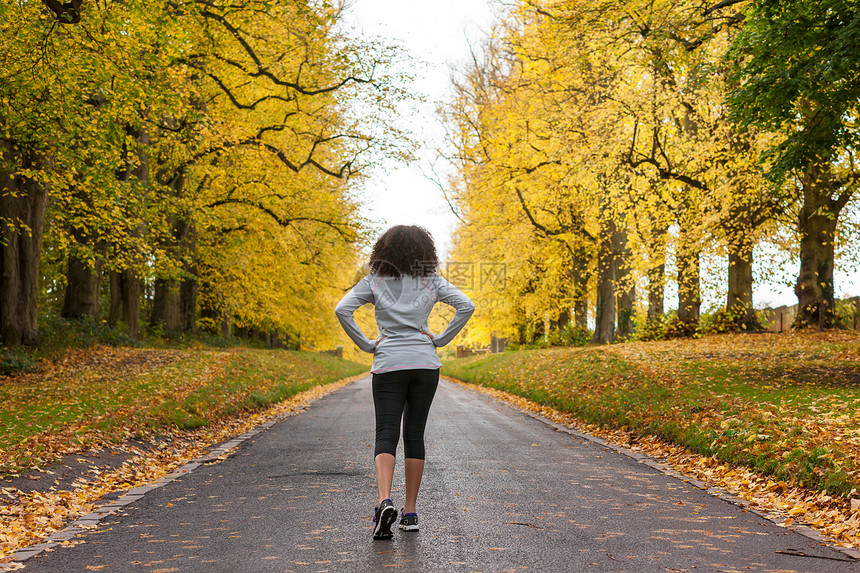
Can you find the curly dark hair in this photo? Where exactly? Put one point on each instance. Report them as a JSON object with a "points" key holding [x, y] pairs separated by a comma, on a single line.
{"points": [[404, 250]]}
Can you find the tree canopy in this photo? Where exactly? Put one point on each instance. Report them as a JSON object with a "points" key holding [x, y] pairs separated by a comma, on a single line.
{"points": [[597, 145], [797, 75], [175, 165]]}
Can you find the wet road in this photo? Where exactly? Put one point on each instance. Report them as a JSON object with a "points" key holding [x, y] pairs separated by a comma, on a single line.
{"points": [[501, 492]]}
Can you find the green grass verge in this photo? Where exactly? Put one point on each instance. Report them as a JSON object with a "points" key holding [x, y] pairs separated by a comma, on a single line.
{"points": [[112, 394], [254, 379], [786, 406]]}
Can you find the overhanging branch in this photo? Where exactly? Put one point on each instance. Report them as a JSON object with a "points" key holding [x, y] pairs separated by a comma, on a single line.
{"points": [[280, 220], [721, 5], [68, 13], [262, 70], [535, 224]]}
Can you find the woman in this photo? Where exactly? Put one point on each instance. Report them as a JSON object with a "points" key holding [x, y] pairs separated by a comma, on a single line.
{"points": [[403, 287]]}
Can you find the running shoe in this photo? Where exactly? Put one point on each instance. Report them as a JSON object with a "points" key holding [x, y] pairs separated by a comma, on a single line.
{"points": [[408, 521], [383, 516]]}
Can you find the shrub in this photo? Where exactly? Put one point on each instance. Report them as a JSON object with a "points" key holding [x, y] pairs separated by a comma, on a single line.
{"points": [[847, 313], [677, 328], [19, 359], [57, 334], [719, 321], [649, 329], [660, 328], [573, 335], [570, 335]]}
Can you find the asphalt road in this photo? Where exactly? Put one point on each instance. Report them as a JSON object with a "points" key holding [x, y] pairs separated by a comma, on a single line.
{"points": [[502, 492]]}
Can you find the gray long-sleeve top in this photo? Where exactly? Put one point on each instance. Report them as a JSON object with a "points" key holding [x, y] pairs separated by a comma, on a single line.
{"points": [[402, 306]]}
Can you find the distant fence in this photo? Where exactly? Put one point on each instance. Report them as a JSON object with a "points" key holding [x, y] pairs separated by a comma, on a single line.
{"points": [[336, 352], [496, 345], [781, 318]]}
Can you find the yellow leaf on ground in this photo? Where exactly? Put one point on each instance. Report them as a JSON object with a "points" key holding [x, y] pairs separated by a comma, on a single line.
{"points": [[797, 510]]}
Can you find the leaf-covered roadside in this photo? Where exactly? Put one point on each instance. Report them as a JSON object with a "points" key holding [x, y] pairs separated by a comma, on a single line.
{"points": [[107, 395], [162, 406], [784, 409]]}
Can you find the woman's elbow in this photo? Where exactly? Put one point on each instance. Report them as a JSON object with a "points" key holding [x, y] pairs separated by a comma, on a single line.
{"points": [[341, 311]]}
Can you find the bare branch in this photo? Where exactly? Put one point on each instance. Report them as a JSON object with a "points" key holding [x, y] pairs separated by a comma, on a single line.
{"points": [[721, 5], [262, 71], [280, 220], [235, 101], [68, 13], [666, 171], [344, 172], [535, 224], [436, 180]]}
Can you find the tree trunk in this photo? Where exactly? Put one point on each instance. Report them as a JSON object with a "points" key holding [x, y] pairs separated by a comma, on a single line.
{"points": [[580, 287], [83, 281], [175, 302], [746, 213], [656, 272], [656, 292], [213, 316], [689, 298], [561, 321], [165, 306], [226, 326], [625, 302], [604, 323], [83, 277], [81, 297], [126, 283], [115, 310], [535, 330], [188, 305], [188, 288], [740, 288], [182, 313], [817, 224], [624, 286], [277, 341], [125, 300], [23, 204]]}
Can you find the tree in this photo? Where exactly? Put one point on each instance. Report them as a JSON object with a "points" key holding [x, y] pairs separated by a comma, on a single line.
{"points": [[797, 61], [168, 125], [23, 200], [605, 123], [515, 151]]}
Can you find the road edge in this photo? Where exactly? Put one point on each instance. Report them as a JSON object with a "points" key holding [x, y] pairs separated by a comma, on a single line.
{"points": [[645, 459], [214, 454]]}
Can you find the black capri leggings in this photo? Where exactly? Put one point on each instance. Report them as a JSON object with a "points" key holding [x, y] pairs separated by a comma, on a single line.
{"points": [[407, 394]]}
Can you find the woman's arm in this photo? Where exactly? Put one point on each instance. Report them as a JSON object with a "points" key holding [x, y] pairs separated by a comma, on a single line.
{"points": [[451, 295], [360, 295]]}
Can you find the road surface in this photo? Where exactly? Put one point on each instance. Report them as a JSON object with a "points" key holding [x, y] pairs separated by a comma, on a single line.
{"points": [[502, 492]]}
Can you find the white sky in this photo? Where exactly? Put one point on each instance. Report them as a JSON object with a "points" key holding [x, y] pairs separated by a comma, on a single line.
{"points": [[438, 32]]}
